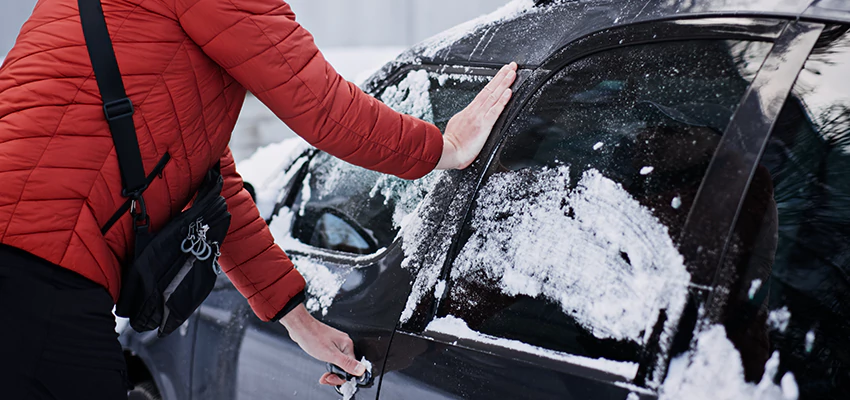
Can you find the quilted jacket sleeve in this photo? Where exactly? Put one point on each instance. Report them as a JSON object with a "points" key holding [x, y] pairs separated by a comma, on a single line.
{"points": [[254, 263], [260, 44]]}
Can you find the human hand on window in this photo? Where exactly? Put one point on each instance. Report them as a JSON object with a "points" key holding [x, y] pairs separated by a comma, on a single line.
{"points": [[322, 343], [468, 130]]}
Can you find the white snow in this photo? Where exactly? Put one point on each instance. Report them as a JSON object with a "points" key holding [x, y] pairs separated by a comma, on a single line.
{"points": [[350, 388], [646, 170], [413, 235], [366, 363], [420, 257], [810, 341], [411, 96], [778, 319], [432, 46], [268, 170], [439, 289], [633, 396], [598, 146], [322, 284], [714, 371], [789, 387], [677, 202], [457, 328], [404, 195], [614, 266], [754, 288], [269, 160], [305, 194]]}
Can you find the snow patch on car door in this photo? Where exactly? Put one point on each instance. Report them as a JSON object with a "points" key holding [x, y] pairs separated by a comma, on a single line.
{"points": [[322, 284], [713, 370], [594, 250], [457, 328]]}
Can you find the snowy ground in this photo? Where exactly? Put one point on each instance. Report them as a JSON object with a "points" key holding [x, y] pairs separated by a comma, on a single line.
{"points": [[258, 126]]}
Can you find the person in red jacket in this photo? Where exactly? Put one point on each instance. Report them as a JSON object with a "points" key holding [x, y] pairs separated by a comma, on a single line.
{"points": [[186, 65]]}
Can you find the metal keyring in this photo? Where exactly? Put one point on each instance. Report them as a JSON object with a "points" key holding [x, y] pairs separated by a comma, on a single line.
{"points": [[216, 266], [202, 250], [187, 245]]}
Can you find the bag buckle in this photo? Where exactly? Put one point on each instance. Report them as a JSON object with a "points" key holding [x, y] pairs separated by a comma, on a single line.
{"points": [[118, 109], [139, 212]]}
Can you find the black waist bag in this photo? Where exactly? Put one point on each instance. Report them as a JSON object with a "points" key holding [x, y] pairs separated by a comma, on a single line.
{"points": [[174, 270]]}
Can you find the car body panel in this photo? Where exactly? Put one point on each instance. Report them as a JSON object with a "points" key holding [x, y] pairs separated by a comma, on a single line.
{"points": [[227, 353], [168, 360], [469, 386], [424, 368]]}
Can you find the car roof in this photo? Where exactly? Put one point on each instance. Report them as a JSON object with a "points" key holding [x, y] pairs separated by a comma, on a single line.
{"points": [[528, 31]]}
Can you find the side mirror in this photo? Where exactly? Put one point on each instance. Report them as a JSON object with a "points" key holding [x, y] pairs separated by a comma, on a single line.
{"points": [[250, 188]]}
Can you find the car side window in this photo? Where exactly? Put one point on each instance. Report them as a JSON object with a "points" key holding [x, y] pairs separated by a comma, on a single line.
{"points": [[571, 245], [344, 208], [791, 246]]}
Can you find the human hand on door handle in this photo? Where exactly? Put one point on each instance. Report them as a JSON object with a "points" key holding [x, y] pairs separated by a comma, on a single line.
{"points": [[322, 343]]}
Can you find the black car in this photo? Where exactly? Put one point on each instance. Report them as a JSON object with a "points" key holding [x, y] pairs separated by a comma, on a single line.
{"points": [[662, 212]]}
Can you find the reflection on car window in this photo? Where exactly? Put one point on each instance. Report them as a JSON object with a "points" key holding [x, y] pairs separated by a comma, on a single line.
{"points": [[791, 248], [350, 209], [570, 246]]}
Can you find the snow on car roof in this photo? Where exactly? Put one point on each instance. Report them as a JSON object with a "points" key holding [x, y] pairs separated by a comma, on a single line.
{"points": [[527, 33]]}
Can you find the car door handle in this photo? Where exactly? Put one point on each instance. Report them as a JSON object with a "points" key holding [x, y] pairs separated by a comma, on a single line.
{"points": [[363, 381]]}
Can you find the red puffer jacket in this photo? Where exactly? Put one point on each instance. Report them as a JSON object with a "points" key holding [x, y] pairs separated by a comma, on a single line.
{"points": [[186, 65]]}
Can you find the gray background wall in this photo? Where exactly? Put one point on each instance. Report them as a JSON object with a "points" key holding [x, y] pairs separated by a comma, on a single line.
{"points": [[334, 23], [13, 13]]}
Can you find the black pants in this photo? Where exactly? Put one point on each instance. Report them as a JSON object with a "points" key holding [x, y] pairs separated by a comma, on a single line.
{"points": [[57, 334]]}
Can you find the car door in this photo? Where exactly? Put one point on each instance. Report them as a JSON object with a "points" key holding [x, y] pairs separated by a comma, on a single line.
{"points": [[791, 297], [566, 280], [341, 225]]}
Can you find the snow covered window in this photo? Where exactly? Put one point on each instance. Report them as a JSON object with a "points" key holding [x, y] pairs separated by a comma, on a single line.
{"points": [[790, 250], [349, 209], [572, 241]]}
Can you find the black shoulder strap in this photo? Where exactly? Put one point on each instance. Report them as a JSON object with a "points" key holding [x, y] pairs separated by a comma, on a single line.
{"points": [[116, 106]]}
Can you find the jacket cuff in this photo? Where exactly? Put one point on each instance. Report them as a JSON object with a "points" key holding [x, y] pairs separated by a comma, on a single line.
{"points": [[431, 154], [294, 302]]}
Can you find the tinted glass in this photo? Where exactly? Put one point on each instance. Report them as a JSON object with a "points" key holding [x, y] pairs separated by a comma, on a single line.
{"points": [[571, 242], [792, 243], [350, 209]]}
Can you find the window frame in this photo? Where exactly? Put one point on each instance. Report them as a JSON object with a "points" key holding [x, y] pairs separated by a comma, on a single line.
{"points": [[763, 29]]}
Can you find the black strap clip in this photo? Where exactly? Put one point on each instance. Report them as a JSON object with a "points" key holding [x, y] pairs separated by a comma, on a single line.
{"points": [[118, 109], [139, 212]]}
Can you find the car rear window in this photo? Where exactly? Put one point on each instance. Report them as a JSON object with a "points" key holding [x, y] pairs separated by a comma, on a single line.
{"points": [[571, 244]]}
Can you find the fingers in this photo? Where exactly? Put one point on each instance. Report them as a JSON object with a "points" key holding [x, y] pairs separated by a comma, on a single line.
{"points": [[349, 364], [331, 379], [496, 109], [491, 93]]}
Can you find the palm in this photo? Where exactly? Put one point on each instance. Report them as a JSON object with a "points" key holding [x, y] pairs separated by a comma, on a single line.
{"points": [[467, 131]]}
